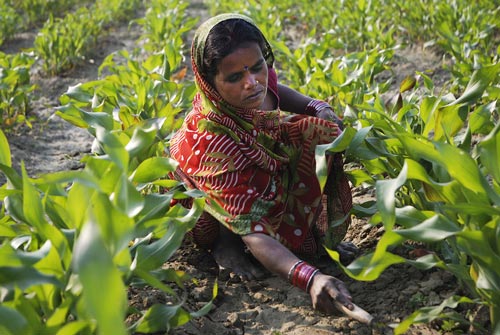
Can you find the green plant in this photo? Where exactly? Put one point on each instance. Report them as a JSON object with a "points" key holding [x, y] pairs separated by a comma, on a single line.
{"points": [[9, 21], [108, 11], [62, 43], [71, 242], [166, 24], [35, 12], [15, 87], [131, 94], [443, 190]]}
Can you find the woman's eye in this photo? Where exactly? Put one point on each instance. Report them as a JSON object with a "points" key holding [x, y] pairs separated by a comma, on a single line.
{"points": [[256, 69], [233, 78]]}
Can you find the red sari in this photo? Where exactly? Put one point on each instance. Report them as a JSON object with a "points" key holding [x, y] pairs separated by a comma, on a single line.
{"points": [[257, 168]]}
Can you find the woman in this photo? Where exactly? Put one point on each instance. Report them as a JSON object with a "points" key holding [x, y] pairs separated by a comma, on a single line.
{"points": [[257, 164]]}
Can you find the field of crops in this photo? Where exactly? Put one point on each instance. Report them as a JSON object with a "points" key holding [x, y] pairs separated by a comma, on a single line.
{"points": [[97, 248]]}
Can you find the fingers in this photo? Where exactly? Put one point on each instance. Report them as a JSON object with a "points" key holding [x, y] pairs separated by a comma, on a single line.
{"points": [[327, 291], [339, 292]]}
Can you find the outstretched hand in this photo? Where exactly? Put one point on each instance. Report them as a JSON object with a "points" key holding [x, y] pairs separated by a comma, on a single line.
{"points": [[329, 114], [325, 290]]}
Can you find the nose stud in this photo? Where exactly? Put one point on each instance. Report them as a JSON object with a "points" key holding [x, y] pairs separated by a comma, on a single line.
{"points": [[245, 68]]}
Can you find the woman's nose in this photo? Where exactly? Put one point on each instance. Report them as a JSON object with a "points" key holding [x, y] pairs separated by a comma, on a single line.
{"points": [[250, 80]]}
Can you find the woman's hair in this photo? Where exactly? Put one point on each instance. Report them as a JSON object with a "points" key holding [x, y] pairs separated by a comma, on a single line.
{"points": [[226, 37]]}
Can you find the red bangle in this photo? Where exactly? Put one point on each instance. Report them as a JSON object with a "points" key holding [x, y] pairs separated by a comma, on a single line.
{"points": [[302, 275], [314, 106]]}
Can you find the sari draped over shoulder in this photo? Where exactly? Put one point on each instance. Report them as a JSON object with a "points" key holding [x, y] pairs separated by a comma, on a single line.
{"points": [[256, 167]]}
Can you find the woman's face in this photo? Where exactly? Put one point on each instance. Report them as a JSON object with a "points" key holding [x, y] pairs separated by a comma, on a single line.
{"points": [[241, 77]]}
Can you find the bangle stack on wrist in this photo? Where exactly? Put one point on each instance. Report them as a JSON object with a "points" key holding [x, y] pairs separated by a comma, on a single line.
{"points": [[301, 275], [315, 106]]}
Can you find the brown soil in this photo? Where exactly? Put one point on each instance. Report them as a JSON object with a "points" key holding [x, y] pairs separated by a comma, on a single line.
{"points": [[269, 306]]}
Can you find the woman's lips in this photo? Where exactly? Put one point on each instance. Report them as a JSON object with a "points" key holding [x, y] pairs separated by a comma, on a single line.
{"points": [[254, 96]]}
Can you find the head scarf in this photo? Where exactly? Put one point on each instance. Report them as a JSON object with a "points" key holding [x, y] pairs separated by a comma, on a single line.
{"points": [[201, 35], [211, 98]]}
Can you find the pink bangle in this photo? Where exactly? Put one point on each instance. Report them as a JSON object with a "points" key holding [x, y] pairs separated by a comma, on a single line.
{"points": [[315, 106], [302, 274]]}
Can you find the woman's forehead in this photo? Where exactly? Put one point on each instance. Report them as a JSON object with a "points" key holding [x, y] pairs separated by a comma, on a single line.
{"points": [[243, 57]]}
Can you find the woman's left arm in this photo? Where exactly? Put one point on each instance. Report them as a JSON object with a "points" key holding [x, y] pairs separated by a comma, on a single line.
{"points": [[298, 103]]}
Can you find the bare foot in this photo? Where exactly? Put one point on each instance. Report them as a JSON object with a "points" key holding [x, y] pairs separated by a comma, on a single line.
{"points": [[229, 253]]}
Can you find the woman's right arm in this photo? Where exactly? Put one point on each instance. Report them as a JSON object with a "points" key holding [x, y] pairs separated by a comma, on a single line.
{"points": [[276, 258]]}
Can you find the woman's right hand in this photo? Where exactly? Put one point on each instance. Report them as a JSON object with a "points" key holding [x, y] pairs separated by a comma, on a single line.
{"points": [[325, 290]]}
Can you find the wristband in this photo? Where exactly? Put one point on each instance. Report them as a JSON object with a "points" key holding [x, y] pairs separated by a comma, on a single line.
{"points": [[301, 275], [292, 269], [315, 106]]}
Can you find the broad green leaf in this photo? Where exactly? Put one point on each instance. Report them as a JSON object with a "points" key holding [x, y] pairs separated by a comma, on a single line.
{"points": [[60, 315], [116, 225], [69, 177], [12, 176], [338, 145], [489, 150], [159, 318], [475, 243], [154, 255], [24, 277], [143, 137], [407, 84], [449, 192], [32, 205], [35, 216], [5, 157], [127, 198], [104, 294], [359, 177], [152, 278], [370, 266], [481, 119], [448, 121], [98, 120], [427, 262], [80, 92], [14, 207], [466, 173], [472, 209], [386, 197], [154, 168], [78, 201], [434, 229], [13, 323], [428, 314], [114, 149], [73, 328], [409, 216], [72, 115], [155, 206], [106, 172], [358, 149], [479, 81], [12, 257], [428, 107]]}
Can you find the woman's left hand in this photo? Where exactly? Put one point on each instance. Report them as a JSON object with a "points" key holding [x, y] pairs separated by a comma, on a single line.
{"points": [[328, 114]]}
